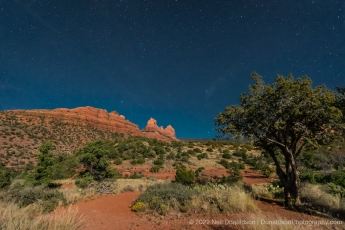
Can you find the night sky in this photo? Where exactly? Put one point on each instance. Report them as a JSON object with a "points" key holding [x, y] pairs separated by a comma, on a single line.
{"points": [[178, 61]]}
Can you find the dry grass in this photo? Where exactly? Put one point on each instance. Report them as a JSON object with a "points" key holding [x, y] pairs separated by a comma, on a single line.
{"points": [[225, 199], [317, 197], [136, 184], [12, 217], [260, 190]]}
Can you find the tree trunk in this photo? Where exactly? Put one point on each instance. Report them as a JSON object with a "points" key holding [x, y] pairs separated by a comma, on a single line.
{"points": [[289, 178], [292, 184]]}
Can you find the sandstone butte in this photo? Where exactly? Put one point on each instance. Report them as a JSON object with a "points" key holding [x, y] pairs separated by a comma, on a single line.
{"points": [[99, 119]]}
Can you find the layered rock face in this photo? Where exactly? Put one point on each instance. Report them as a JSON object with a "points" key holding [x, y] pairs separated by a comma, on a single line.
{"points": [[98, 119], [151, 130]]}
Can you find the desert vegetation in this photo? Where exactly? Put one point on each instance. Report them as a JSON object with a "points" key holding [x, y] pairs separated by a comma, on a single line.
{"points": [[287, 132]]}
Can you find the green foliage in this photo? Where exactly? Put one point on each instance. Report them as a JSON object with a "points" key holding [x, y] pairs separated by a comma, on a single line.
{"points": [[159, 150], [135, 175], [202, 156], [338, 177], [226, 151], [5, 176], [209, 149], [52, 166], [197, 150], [240, 153], [170, 156], [84, 182], [184, 176], [155, 168], [233, 170], [166, 192], [158, 162], [283, 118], [199, 171], [226, 155], [94, 157], [26, 195]]}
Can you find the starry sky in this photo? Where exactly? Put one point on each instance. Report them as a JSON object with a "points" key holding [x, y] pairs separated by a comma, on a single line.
{"points": [[178, 61]]}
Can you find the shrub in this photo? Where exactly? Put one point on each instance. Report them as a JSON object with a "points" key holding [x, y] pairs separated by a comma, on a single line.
{"points": [[5, 177], [135, 175], [138, 207], [158, 162], [197, 150], [166, 192], [184, 176], [185, 159], [84, 182], [202, 156], [198, 171], [118, 161], [93, 156], [338, 177], [155, 168], [23, 196], [209, 149], [226, 155], [226, 151], [170, 156]]}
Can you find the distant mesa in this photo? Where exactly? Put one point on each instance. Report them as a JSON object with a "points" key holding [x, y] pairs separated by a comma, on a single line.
{"points": [[99, 119]]}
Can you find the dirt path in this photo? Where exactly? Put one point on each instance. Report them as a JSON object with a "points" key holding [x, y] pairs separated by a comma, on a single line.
{"points": [[250, 177], [110, 212]]}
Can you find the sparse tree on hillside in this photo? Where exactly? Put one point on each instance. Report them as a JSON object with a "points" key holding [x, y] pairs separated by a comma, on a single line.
{"points": [[283, 118]]}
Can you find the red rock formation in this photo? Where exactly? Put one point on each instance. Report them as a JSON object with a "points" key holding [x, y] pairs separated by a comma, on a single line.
{"points": [[152, 130], [99, 119]]}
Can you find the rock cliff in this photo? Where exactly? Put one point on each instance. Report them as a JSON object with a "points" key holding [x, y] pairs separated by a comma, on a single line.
{"points": [[98, 119]]}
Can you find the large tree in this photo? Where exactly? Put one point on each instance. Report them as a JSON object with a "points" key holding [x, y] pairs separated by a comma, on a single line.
{"points": [[283, 118]]}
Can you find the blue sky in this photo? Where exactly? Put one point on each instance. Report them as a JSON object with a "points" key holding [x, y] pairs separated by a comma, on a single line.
{"points": [[180, 62]]}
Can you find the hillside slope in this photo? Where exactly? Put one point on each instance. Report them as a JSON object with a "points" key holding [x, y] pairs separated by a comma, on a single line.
{"points": [[23, 131]]}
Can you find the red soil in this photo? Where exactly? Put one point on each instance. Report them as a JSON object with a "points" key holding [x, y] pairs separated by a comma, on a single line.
{"points": [[251, 177], [110, 212]]}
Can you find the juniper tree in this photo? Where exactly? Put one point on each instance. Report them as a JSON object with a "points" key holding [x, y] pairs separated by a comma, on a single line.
{"points": [[283, 118]]}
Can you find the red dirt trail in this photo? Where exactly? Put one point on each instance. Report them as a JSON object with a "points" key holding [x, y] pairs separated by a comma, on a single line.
{"points": [[113, 212]]}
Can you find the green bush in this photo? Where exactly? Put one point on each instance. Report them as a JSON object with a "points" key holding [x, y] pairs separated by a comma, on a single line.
{"points": [[226, 155], [209, 149], [5, 177], [240, 153], [202, 156], [159, 150], [135, 175], [118, 161], [185, 159], [184, 176], [166, 192], [94, 158], [171, 156], [25, 195], [84, 182], [197, 150], [226, 151], [158, 162], [198, 171], [155, 168], [338, 177]]}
